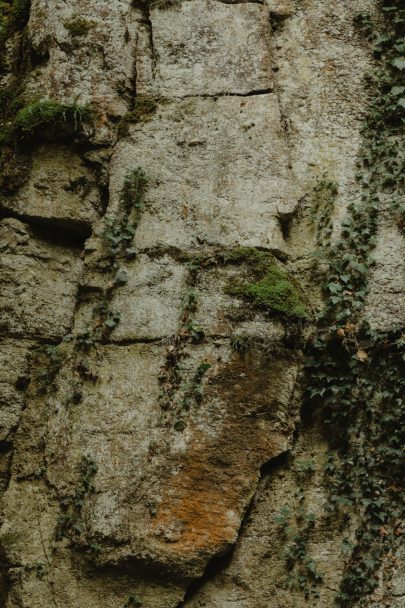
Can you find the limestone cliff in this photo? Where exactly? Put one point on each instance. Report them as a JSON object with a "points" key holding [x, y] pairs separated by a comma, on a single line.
{"points": [[202, 303]]}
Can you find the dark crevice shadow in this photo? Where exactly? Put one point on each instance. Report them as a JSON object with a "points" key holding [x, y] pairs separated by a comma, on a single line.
{"points": [[65, 233]]}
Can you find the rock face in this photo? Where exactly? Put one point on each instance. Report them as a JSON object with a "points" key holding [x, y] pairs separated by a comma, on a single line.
{"points": [[60, 190], [153, 438], [210, 48], [215, 154]]}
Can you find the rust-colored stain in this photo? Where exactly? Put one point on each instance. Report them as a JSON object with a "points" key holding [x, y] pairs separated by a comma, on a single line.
{"points": [[204, 498], [197, 512]]}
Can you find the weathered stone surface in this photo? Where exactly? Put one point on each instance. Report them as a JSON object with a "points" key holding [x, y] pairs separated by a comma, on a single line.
{"points": [[217, 173], [31, 543], [150, 303], [114, 418], [95, 66], [189, 408], [238, 426], [320, 61], [283, 8], [38, 283], [14, 379], [385, 309], [61, 191], [207, 48], [258, 575], [43, 574], [165, 496]]}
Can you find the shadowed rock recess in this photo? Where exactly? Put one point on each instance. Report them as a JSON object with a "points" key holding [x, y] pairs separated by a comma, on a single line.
{"points": [[202, 303]]}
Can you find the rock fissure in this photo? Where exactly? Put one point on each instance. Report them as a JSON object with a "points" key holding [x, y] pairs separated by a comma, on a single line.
{"points": [[252, 93]]}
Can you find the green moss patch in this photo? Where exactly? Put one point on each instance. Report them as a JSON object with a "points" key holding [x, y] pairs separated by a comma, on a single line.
{"points": [[259, 260], [45, 118], [78, 26], [272, 288]]}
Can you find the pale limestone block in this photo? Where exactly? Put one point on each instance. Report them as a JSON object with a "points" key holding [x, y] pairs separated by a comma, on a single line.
{"points": [[207, 47], [38, 283], [385, 304], [217, 173], [150, 304], [61, 191], [97, 67]]}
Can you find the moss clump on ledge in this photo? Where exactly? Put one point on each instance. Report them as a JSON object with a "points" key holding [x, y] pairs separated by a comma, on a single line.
{"points": [[272, 289], [45, 118], [78, 26], [259, 260]]}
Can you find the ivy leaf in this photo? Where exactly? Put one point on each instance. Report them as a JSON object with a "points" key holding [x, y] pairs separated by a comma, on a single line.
{"points": [[334, 287], [121, 277], [110, 323], [398, 62], [382, 39], [131, 252], [397, 90], [370, 563], [346, 547], [401, 102]]}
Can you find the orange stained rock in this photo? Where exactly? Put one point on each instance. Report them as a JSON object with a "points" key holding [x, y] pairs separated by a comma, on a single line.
{"points": [[211, 484], [201, 507]]}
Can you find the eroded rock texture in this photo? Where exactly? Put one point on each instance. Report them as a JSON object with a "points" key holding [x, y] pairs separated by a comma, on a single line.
{"points": [[151, 430]]}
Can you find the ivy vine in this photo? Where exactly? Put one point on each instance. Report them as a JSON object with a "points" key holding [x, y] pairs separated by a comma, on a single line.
{"points": [[356, 374]]}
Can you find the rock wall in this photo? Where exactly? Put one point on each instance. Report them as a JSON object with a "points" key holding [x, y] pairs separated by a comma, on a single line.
{"points": [[159, 292]]}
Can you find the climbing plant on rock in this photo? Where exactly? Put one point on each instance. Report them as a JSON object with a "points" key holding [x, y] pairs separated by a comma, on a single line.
{"points": [[356, 375]]}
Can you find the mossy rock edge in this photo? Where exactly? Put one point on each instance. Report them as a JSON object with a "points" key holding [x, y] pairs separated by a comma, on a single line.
{"points": [[272, 290]]}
